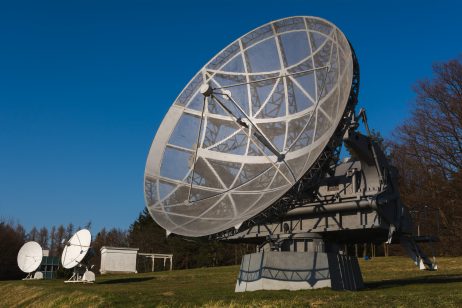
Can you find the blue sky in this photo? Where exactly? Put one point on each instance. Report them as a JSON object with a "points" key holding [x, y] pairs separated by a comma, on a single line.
{"points": [[85, 84]]}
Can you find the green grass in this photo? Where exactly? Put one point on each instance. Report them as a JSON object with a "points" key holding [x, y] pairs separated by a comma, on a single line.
{"points": [[390, 282]]}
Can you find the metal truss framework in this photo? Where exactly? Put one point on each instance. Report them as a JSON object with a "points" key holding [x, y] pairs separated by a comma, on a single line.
{"points": [[280, 95], [307, 183]]}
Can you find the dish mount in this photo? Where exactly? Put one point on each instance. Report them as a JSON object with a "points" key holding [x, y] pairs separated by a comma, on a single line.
{"points": [[29, 259], [76, 255]]}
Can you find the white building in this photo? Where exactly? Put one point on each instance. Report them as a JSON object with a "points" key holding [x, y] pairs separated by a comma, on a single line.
{"points": [[118, 260]]}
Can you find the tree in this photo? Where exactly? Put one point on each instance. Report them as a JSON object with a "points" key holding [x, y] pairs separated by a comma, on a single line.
{"points": [[148, 236], [43, 237], [69, 231], [113, 237], [88, 225], [12, 237], [428, 150], [435, 129], [60, 237], [53, 242], [33, 234]]}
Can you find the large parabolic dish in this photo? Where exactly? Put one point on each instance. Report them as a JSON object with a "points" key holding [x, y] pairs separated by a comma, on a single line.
{"points": [[226, 151]]}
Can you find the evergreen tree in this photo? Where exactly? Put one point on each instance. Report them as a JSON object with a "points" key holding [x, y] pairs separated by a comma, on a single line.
{"points": [[148, 236], [11, 239]]}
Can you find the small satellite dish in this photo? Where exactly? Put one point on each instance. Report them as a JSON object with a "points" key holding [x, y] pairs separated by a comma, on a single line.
{"points": [[76, 253], [29, 259], [76, 248], [248, 126]]}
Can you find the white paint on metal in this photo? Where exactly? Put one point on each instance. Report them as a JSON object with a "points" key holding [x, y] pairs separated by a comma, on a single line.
{"points": [[29, 257], [76, 249]]}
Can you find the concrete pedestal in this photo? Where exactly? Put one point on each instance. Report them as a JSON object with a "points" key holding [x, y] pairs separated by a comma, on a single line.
{"points": [[286, 270]]}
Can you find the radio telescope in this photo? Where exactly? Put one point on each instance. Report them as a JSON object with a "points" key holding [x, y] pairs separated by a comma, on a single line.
{"points": [[76, 253], [248, 126], [29, 259], [248, 152]]}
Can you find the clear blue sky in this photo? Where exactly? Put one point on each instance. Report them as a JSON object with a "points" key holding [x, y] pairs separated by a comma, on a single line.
{"points": [[85, 84]]}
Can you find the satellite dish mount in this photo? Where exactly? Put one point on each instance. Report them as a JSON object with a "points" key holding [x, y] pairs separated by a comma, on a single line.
{"points": [[76, 255], [29, 259]]}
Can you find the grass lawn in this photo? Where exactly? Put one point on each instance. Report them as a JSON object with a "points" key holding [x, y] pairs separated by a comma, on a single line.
{"points": [[390, 282]]}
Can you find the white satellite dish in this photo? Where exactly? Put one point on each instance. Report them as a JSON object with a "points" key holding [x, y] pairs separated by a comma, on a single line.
{"points": [[74, 253], [248, 126], [29, 259]]}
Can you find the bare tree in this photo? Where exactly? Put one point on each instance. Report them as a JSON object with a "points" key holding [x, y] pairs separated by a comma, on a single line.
{"points": [[69, 231], [88, 225], [60, 237], [43, 237], [53, 241], [435, 129], [33, 234], [428, 150], [113, 237]]}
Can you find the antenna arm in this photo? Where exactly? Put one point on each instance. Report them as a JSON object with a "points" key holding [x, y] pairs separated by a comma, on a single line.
{"points": [[362, 149], [362, 114], [256, 132]]}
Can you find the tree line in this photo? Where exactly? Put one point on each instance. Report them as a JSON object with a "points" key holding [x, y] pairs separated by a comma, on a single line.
{"points": [[143, 234]]}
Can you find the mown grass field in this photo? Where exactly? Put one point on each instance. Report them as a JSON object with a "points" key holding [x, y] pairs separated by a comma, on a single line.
{"points": [[390, 282]]}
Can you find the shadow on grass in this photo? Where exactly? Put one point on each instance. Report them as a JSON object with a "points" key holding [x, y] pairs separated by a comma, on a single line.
{"points": [[126, 280], [417, 280]]}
